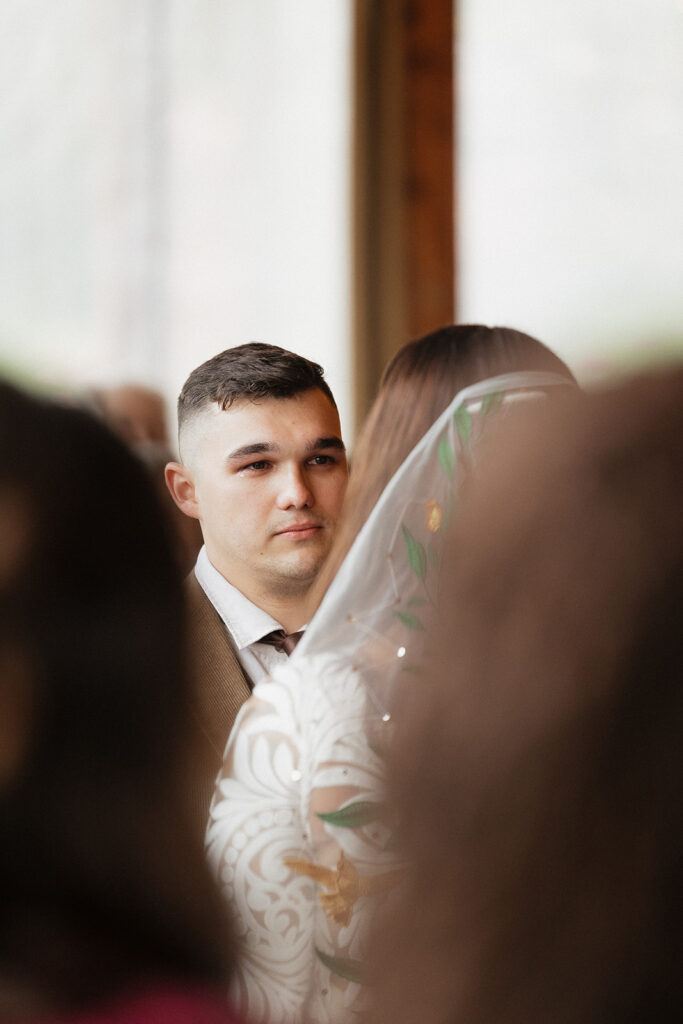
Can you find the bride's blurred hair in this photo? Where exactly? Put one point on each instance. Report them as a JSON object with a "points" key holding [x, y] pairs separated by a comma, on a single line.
{"points": [[416, 387]]}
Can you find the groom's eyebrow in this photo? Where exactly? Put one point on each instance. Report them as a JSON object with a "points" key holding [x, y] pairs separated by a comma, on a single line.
{"points": [[257, 448], [326, 442]]}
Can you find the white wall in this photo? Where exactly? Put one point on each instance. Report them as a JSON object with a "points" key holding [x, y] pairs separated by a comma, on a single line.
{"points": [[570, 166], [174, 181]]}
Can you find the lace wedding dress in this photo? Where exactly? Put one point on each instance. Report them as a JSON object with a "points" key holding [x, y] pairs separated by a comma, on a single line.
{"points": [[298, 833]]}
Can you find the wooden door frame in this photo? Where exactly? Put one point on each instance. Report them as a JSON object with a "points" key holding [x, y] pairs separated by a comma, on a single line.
{"points": [[403, 180]]}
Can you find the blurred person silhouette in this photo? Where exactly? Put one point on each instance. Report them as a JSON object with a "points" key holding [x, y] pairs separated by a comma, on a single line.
{"points": [[107, 911], [135, 412], [537, 769], [296, 832]]}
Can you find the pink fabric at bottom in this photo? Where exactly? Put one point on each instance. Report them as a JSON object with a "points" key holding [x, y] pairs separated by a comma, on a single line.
{"points": [[158, 1006]]}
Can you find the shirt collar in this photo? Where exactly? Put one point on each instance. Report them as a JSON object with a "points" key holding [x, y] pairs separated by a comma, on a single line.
{"points": [[244, 620]]}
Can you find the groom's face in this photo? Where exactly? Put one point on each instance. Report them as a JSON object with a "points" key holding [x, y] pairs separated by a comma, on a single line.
{"points": [[269, 478]]}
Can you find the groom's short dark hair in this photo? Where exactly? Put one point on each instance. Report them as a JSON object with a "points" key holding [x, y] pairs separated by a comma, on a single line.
{"points": [[254, 370]]}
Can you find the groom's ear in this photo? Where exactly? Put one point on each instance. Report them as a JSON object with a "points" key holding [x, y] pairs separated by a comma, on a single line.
{"points": [[180, 482]]}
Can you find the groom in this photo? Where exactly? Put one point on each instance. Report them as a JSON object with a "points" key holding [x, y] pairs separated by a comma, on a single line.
{"points": [[263, 468]]}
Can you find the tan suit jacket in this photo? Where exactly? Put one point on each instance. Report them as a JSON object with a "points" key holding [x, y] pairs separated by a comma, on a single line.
{"points": [[220, 688]]}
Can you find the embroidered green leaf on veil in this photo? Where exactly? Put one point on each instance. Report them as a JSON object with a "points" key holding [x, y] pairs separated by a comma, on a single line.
{"points": [[448, 511], [463, 423], [363, 812], [416, 554], [352, 970], [411, 621], [446, 457], [490, 402]]}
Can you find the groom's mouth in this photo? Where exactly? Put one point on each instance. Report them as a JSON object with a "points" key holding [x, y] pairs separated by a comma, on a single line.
{"points": [[300, 531]]}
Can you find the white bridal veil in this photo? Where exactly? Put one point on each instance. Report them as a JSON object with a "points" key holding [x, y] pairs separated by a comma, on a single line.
{"points": [[376, 612]]}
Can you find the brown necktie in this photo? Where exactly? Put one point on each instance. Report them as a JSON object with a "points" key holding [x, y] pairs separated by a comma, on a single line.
{"points": [[281, 641]]}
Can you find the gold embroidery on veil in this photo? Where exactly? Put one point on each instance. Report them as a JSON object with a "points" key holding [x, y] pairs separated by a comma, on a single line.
{"points": [[346, 885], [434, 517]]}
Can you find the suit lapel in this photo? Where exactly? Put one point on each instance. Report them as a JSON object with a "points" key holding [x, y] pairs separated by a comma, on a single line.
{"points": [[219, 684]]}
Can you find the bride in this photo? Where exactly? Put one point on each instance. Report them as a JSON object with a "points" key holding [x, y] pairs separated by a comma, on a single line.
{"points": [[298, 835]]}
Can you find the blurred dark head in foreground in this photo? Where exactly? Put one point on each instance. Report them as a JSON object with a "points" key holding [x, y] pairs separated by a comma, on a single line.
{"points": [[133, 411], [538, 767], [102, 886]]}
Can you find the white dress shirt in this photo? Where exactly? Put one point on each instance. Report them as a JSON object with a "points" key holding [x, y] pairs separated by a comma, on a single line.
{"points": [[244, 621]]}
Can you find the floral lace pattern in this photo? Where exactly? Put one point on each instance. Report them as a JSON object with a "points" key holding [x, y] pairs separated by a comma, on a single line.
{"points": [[297, 839]]}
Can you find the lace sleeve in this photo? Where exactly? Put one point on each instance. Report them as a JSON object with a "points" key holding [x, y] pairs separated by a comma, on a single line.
{"points": [[297, 839]]}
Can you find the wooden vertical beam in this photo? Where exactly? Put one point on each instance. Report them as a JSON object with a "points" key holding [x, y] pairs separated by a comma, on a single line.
{"points": [[428, 186], [403, 180]]}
